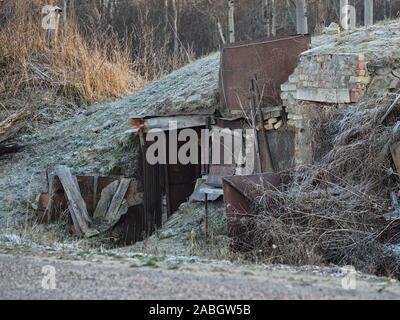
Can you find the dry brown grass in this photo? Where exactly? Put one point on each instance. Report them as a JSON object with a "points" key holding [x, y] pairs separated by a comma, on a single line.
{"points": [[79, 68], [332, 212]]}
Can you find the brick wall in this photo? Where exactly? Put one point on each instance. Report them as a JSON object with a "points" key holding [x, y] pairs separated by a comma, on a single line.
{"points": [[328, 78], [320, 79]]}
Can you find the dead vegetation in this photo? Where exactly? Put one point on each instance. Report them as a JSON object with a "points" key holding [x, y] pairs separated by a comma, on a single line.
{"points": [[78, 70], [333, 212]]}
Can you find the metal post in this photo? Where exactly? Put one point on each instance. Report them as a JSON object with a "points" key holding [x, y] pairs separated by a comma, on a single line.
{"points": [[206, 217]]}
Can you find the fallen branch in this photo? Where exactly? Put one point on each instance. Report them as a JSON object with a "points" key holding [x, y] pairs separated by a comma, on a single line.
{"points": [[10, 126], [390, 109]]}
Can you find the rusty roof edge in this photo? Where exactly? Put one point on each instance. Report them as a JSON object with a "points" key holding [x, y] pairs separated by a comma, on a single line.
{"points": [[242, 191], [272, 40]]}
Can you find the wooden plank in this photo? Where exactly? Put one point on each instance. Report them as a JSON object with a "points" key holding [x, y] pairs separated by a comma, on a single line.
{"points": [[76, 204], [213, 191], [107, 195], [390, 109], [114, 213]]}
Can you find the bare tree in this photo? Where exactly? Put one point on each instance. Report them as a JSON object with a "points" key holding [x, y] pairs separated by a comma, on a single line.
{"points": [[274, 13], [368, 12], [266, 14], [175, 26], [301, 16], [231, 20]]}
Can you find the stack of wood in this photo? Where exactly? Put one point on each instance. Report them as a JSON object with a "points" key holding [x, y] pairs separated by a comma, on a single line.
{"points": [[273, 118]]}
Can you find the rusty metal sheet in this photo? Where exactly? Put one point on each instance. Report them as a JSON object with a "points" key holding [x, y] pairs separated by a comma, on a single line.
{"points": [[271, 60], [131, 228], [180, 179], [240, 196]]}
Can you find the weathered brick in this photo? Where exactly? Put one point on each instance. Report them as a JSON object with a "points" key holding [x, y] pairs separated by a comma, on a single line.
{"points": [[324, 95], [355, 95], [364, 80]]}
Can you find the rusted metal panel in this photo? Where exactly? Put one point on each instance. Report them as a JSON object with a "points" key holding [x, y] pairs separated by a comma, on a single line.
{"points": [[282, 146], [131, 228], [180, 179], [240, 196], [271, 60]]}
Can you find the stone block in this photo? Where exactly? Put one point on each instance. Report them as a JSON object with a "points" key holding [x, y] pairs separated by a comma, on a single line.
{"points": [[288, 87], [324, 95]]}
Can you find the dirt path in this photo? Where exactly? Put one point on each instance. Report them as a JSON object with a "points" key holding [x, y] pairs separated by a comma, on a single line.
{"points": [[21, 277]]}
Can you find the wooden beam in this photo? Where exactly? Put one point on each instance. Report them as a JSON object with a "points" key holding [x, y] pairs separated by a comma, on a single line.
{"points": [[76, 204], [114, 213]]}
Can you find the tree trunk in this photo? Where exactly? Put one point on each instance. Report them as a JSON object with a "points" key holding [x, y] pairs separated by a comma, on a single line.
{"points": [[368, 12], [388, 9], [175, 27], [166, 22], [231, 20], [301, 17], [321, 14], [65, 15], [221, 32], [344, 14], [274, 13], [266, 16]]}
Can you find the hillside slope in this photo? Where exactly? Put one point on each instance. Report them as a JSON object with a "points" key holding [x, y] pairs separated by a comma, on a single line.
{"points": [[93, 142]]}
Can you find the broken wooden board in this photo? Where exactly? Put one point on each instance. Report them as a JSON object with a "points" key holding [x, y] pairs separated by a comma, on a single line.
{"points": [[76, 204], [107, 195], [114, 213], [199, 196]]}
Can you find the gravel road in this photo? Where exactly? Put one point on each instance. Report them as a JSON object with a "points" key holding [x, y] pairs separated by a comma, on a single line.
{"points": [[22, 277]]}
